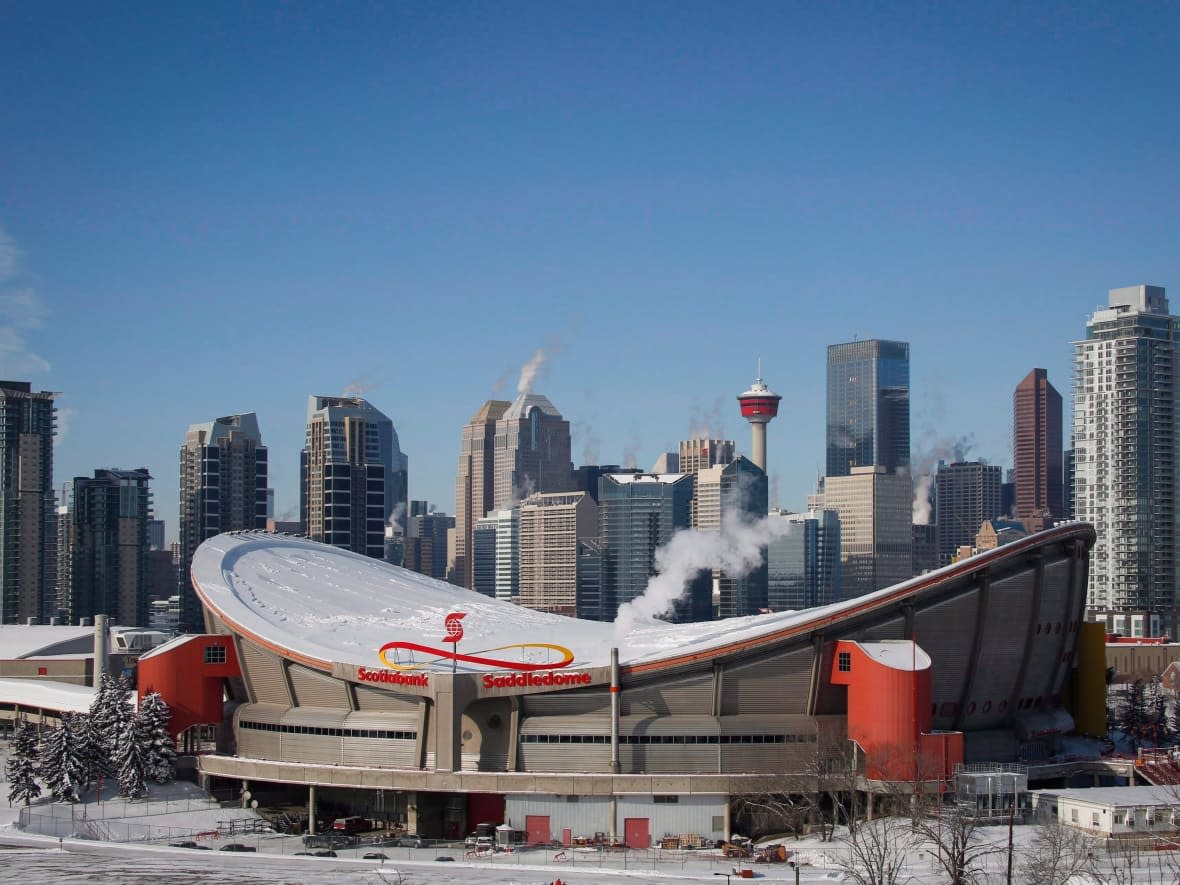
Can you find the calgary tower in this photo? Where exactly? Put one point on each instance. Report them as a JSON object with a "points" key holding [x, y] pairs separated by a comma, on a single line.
{"points": [[759, 407]]}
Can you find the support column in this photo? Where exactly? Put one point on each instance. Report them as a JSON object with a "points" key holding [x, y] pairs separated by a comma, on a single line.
{"points": [[614, 818], [311, 809], [614, 711], [726, 822], [245, 793]]}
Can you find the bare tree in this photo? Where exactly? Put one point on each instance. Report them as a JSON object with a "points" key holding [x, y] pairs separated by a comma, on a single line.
{"points": [[878, 850], [1057, 853], [961, 844]]}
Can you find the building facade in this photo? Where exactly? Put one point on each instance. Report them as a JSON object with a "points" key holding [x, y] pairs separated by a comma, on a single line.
{"points": [[1125, 442], [638, 514], [868, 423], [1037, 452], [354, 475], [532, 451], [223, 486], [28, 507], [475, 484], [876, 527], [697, 454], [966, 494], [426, 542], [728, 498], [552, 524], [107, 548], [803, 562], [956, 662]]}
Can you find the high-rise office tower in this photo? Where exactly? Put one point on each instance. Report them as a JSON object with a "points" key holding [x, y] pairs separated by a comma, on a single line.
{"points": [[638, 514], [223, 484], [426, 541], [697, 454], [551, 526], [108, 547], [1037, 451], [483, 556], [1068, 469], [1125, 442], [868, 406], [475, 484], [739, 491], [532, 451], [876, 527], [497, 555], [966, 493], [803, 562], [28, 507], [355, 477]]}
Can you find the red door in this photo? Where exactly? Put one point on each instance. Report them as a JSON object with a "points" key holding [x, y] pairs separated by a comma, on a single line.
{"points": [[567, 837], [635, 832], [536, 829]]}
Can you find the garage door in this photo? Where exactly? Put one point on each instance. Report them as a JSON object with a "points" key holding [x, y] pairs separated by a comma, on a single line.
{"points": [[536, 828], [635, 832]]}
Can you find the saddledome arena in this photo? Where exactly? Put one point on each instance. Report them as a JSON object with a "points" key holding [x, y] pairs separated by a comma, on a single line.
{"points": [[352, 691]]}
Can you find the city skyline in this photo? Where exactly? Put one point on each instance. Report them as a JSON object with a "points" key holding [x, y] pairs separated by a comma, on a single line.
{"points": [[253, 207]]}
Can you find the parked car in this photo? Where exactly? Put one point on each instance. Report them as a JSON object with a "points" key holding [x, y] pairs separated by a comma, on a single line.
{"points": [[376, 855], [444, 858], [325, 852], [409, 840], [238, 846]]}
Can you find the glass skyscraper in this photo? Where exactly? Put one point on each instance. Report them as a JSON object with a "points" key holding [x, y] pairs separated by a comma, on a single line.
{"points": [[868, 406], [638, 514]]}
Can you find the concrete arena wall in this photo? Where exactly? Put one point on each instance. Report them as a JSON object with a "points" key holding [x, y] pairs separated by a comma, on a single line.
{"points": [[1000, 628]]}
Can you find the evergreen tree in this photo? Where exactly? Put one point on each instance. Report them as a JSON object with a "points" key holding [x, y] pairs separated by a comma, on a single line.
{"points": [[21, 767], [160, 749], [62, 768], [131, 760], [91, 754], [110, 714], [1157, 708], [1134, 711]]}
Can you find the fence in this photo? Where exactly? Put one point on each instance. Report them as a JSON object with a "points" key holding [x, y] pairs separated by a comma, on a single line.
{"points": [[81, 822]]}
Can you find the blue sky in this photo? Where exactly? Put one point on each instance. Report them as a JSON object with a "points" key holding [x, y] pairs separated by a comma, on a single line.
{"points": [[225, 207]]}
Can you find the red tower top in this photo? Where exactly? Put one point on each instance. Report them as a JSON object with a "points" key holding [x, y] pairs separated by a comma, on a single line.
{"points": [[759, 403]]}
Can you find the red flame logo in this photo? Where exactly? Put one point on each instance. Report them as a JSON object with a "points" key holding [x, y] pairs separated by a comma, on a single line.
{"points": [[454, 628]]}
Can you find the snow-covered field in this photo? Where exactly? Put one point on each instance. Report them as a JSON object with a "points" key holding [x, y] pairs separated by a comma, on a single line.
{"points": [[176, 811]]}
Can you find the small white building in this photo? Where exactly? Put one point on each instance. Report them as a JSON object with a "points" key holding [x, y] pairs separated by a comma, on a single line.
{"points": [[1113, 811]]}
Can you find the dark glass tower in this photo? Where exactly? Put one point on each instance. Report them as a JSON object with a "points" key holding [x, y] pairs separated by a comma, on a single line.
{"points": [[639, 513], [868, 406]]}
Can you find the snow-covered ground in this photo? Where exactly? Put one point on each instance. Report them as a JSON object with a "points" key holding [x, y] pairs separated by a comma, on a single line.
{"points": [[178, 811]]}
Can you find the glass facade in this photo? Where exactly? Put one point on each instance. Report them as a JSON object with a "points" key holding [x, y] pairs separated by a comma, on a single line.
{"points": [[803, 563], [639, 513], [868, 406]]}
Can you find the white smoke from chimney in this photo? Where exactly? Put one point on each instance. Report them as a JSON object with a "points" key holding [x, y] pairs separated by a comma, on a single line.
{"points": [[921, 507], [950, 449], [736, 550], [530, 370]]}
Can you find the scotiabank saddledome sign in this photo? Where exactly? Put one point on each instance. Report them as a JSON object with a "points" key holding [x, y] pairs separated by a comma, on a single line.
{"points": [[528, 673]]}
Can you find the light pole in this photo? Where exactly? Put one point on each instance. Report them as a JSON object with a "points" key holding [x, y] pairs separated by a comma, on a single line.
{"points": [[795, 867], [726, 875]]}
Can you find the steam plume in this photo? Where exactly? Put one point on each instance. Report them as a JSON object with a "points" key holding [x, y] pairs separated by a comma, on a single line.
{"points": [[735, 550], [530, 370]]}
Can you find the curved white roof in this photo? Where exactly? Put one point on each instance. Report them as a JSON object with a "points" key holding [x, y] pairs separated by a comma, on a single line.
{"points": [[332, 605], [324, 605]]}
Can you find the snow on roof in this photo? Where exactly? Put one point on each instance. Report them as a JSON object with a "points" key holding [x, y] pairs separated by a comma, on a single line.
{"points": [[171, 644], [898, 654], [333, 605], [26, 641], [47, 694], [623, 478], [1115, 797]]}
